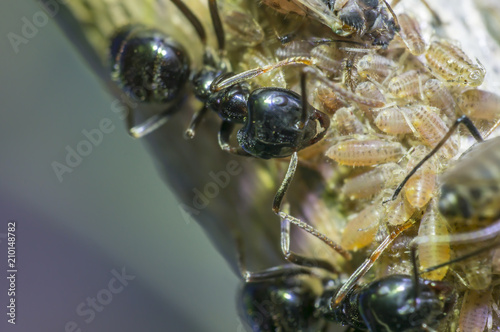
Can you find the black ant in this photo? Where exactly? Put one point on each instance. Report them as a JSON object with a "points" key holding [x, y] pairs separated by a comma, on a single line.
{"points": [[291, 298]]}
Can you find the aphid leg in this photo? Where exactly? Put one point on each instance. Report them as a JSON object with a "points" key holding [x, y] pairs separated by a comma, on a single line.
{"points": [[149, 125], [195, 121], [224, 134], [461, 120], [367, 264]]}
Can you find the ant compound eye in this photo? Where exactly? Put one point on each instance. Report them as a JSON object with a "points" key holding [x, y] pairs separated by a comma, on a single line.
{"points": [[279, 101]]}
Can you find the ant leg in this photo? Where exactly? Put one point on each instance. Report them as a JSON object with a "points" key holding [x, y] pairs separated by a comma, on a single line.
{"points": [[461, 120], [224, 134], [195, 121], [149, 125], [286, 218], [275, 272]]}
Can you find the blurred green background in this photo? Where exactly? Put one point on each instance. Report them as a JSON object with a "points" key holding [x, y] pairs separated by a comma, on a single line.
{"points": [[111, 212]]}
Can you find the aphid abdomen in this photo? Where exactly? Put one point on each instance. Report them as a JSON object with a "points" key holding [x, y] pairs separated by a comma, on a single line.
{"points": [[439, 96], [372, 182], [421, 186], [407, 85], [431, 128], [346, 122], [411, 34], [475, 311], [330, 101], [370, 91], [375, 66], [391, 121], [478, 270], [450, 63], [432, 253], [399, 211], [327, 58], [361, 228], [480, 104], [368, 152]]}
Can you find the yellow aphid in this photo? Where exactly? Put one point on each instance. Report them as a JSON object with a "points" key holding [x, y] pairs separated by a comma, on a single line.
{"points": [[346, 122], [330, 101], [361, 228], [475, 311], [431, 128], [370, 91], [399, 211], [368, 152], [433, 253], [480, 104], [411, 34], [392, 121], [328, 58], [375, 66], [372, 182], [421, 187], [439, 96], [449, 63], [407, 85]]}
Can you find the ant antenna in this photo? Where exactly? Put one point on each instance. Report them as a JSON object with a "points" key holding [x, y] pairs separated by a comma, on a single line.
{"points": [[195, 22], [219, 30], [461, 120]]}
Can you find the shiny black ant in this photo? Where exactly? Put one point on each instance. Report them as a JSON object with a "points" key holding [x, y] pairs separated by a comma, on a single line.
{"points": [[151, 67], [293, 298]]}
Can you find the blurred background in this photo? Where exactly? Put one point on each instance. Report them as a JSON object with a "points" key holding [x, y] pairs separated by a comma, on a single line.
{"points": [[110, 213]]}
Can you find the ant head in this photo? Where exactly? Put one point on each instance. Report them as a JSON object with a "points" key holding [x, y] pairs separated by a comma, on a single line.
{"points": [[278, 125], [393, 298]]}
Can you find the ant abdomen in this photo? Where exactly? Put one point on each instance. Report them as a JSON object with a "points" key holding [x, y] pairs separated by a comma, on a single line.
{"points": [[148, 65]]}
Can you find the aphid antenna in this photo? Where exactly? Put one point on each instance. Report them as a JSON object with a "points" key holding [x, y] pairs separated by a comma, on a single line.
{"points": [[367, 264], [461, 120]]}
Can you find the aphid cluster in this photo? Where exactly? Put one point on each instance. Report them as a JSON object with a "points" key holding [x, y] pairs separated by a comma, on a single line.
{"points": [[361, 96]]}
